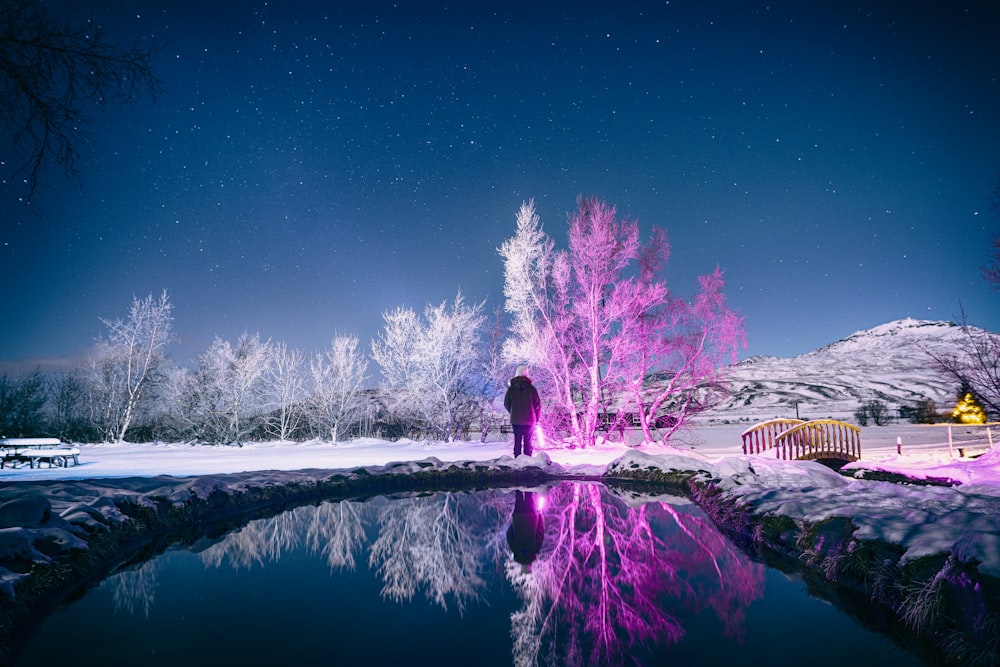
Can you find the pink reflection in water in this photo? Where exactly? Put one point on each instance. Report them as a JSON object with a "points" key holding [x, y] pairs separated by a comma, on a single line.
{"points": [[611, 578]]}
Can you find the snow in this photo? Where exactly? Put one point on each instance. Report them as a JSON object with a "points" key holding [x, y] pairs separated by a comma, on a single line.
{"points": [[887, 362], [925, 520]]}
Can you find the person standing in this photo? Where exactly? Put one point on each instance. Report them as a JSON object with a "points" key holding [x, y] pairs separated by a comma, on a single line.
{"points": [[525, 407]]}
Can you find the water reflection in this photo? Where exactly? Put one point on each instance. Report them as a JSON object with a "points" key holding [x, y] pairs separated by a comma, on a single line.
{"points": [[612, 578], [526, 532], [597, 579]]}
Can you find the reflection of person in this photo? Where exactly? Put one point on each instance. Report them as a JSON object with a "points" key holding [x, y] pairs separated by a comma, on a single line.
{"points": [[525, 407], [527, 529]]}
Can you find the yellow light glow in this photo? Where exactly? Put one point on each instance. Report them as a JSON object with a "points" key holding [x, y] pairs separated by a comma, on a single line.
{"points": [[969, 411]]}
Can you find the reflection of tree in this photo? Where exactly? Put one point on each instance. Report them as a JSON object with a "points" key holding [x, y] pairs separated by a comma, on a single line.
{"points": [[336, 530], [435, 543], [610, 582], [737, 581], [429, 543], [260, 541], [134, 590], [610, 576]]}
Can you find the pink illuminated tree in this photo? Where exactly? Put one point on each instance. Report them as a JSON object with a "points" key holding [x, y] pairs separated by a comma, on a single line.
{"points": [[670, 356], [603, 330]]}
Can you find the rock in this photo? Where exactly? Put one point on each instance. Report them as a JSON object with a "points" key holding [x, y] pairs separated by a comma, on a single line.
{"points": [[26, 511]]}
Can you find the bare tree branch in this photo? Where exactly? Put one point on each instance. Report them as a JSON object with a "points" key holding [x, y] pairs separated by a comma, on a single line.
{"points": [[974, 365], [49, 72]]}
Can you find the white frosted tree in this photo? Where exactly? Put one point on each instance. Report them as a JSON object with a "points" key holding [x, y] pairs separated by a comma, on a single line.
{"points": [[285, 382], [527, 260], [431, 365], [494, 376], [128, 364], [260, 541], [227, 390], [338, 379]]}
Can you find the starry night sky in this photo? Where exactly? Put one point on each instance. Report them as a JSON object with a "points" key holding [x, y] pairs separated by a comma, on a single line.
{"points": [[311, 165]]}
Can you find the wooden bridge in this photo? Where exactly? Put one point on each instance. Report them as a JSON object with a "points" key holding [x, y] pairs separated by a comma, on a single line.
{"points": [[819, 439]]}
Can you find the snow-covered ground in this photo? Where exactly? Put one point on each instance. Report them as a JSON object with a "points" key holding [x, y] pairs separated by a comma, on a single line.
{"points": [[925, 453]]}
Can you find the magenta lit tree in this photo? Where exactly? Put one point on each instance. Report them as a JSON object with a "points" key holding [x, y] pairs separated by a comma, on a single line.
{"points": [[612, 578], [603, 331], [670, 356]]}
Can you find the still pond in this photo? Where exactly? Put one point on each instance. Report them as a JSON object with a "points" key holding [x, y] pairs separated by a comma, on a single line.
{"points": [[570, 574]]}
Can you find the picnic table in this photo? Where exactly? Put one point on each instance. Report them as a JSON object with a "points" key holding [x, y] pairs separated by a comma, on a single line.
{"points": [[33, 452]]}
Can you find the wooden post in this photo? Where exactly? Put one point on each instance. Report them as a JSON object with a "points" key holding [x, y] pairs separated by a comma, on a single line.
{"points": [[899, 444], [951, 452]]}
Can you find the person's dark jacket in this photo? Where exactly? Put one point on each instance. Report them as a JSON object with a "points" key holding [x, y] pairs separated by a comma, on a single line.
{"points": [[522, 402]]}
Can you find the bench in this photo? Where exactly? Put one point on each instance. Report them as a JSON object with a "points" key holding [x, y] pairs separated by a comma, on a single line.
{"points": [[34, 452]]}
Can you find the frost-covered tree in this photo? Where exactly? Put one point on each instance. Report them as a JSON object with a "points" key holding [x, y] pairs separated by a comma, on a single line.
{"points": [[669, 357], [527, 267], [134, 590], [338, 379], [227, 390], [179, 398], [285, 382], [260, 541], [127, 367], [50, 72], [600, 326], [536, 317], [430, 365], [494, 377]]}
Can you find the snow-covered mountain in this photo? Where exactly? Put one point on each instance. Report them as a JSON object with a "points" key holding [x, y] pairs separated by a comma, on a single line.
{"points": [[885, 363]]}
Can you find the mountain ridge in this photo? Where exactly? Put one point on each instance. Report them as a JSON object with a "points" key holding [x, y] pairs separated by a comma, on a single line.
{"points": [[888, 362]]}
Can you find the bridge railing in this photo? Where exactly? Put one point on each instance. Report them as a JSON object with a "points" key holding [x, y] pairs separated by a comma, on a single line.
{"points": [[761, 437], [820, 439]]}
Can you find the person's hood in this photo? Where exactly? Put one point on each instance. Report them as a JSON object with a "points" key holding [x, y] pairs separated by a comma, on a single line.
{"points": [[520, 382]]}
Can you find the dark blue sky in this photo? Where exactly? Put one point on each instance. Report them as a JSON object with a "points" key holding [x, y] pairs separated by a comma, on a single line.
{"points": [[312, 165]]}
